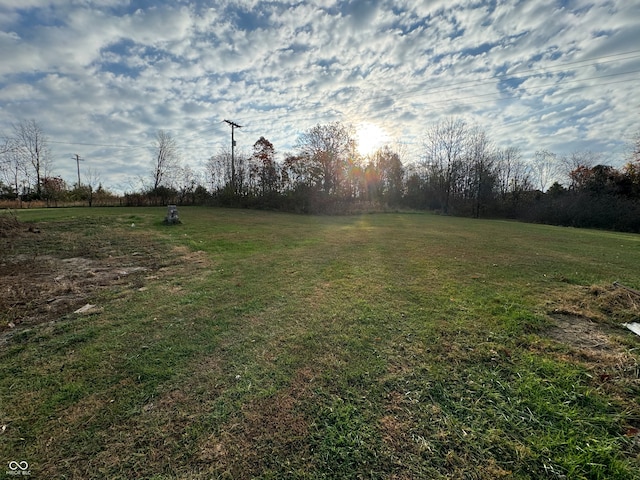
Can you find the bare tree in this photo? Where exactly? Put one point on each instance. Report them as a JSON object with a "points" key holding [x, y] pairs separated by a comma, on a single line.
{"points": [[481, 162], [187, 183], [218, 170], [507, 161], [8, 174], [444, 148], [513, 176], [577, 161], [632, 167], [546, 168], [219, 175], [30, 145], [518, 178], [14, 169], [166, 159], [92, 182], [5, 145]]}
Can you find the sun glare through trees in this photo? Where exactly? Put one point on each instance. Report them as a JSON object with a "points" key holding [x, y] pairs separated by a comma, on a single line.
{"points": [[370, 138]]}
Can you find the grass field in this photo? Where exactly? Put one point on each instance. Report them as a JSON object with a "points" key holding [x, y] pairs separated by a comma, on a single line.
{"points": [[247, 344]]}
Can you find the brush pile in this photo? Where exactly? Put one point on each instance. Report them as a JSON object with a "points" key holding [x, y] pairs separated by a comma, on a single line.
{"points": [[9, 225]]}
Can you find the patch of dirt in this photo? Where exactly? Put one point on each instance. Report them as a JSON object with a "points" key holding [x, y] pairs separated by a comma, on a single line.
{"points": [[394, 432], [581, 332], [42, 277], [41, 288], [588, 320]]}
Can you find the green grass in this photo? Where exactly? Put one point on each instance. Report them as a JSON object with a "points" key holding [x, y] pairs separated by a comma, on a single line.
{"points": [[376, 346]]}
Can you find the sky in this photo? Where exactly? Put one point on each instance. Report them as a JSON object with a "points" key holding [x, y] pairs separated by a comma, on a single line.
{"points": [[102, 77]]}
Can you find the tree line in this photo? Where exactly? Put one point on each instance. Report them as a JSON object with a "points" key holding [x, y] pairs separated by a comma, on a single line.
{"points": [[26, 172], [460, 172]]}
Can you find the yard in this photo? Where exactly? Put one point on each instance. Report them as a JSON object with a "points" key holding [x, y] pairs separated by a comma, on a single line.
{"points": [[243, 344]]}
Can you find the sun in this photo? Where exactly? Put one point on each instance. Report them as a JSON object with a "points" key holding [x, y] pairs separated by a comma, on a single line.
{"points": [[370, 137]]}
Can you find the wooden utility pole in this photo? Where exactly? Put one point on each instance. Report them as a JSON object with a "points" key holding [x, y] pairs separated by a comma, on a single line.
{"points": [[78, 160], [233, 145]]}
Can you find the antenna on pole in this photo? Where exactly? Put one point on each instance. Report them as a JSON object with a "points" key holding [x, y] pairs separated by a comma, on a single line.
{"points": [[78, 160], [233, 145]]}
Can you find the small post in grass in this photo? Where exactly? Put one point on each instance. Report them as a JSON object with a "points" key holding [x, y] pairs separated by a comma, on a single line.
{"points": [[172, 215]]}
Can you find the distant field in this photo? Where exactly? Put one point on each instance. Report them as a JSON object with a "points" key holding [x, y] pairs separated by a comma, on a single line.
{"points": [[245, 344]]}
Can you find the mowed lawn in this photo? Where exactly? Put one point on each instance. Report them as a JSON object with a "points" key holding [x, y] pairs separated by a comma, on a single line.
{"points": [[269, 345]]}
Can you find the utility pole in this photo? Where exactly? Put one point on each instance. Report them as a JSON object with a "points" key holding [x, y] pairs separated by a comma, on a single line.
{"points": [[233, 145], [78, 160]]}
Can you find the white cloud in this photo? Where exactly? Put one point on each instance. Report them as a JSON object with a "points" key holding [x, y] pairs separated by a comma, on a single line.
{"points": [[115, 76]]}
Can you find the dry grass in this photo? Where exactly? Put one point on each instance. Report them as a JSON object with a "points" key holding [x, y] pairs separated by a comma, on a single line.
{"points": [[10, 225], [612, 304], [264, 429]]}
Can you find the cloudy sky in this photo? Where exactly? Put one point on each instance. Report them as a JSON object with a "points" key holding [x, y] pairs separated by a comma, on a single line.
{"points": [[101, 77]]}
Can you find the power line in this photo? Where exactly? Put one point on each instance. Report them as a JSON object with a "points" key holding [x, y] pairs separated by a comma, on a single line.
{"points": [[490, 79], [475, 83], [544, 87], [519, 75], [97, 144], [474, 99]]}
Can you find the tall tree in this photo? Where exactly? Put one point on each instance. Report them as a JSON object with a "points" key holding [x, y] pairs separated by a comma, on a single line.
{"points": [[444, 148], [546, 167], [218, 170], [513, 177], [297, 171], [264, 166], [31, 147], [507, 161], [187, 182], [11, 166], [385, 175], [481, 160], [166, 159], [327, 149]]}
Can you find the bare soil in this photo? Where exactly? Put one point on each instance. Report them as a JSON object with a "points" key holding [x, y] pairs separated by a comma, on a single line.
{"points": [[588, 317], [46, 273], [588, 323]]}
